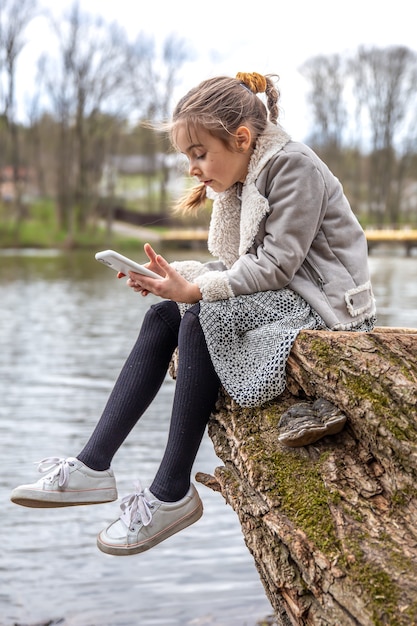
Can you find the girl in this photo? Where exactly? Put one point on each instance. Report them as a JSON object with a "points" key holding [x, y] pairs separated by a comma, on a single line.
{"points": [[291, 256]]}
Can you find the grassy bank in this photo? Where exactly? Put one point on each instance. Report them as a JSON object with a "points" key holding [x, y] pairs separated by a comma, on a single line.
{"points": [[38, 228]]}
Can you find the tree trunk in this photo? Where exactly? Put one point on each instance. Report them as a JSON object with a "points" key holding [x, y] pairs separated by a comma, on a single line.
{"points": [[332, 526]]}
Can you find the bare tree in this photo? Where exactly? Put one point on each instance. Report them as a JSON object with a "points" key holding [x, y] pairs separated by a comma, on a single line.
{"points": [[328, 98], [175, 53], [35, 145], [92, 79], [327, 77], [406, 168], [385, 84], [15, 15], [154, 78]]}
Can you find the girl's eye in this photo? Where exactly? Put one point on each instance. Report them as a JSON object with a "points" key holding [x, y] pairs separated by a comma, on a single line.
{"points": [[200, 156]]}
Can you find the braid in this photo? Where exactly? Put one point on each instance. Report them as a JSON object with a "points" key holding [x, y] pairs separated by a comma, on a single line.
{"points": [[194, 199], [272, 97]]}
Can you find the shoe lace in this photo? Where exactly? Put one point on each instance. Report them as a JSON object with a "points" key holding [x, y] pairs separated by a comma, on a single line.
{"points": [[136, 508], [56, 467]]}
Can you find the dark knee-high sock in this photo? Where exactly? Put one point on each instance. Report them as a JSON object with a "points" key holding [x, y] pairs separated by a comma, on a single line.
{"points": [[136, 386], [196, 392]]}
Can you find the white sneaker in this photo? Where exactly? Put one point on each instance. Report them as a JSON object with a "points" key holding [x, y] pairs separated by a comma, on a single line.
{"points": [[68, 482], [146, 521]]}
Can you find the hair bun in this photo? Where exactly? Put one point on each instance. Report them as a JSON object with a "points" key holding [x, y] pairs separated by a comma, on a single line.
{"points": [[254, 81]]}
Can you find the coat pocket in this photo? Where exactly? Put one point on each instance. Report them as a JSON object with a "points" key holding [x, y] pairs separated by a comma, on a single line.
{"points": [[359, 300]]}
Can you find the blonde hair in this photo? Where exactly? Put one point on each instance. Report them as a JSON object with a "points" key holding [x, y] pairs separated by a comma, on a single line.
{"points": [[220, 105]]}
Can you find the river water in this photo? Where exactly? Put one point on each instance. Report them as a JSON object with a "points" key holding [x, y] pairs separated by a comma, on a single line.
{"points": [[66, 327]]}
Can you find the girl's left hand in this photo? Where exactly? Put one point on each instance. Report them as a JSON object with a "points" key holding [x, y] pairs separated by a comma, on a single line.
{"points": [[172, 286]]}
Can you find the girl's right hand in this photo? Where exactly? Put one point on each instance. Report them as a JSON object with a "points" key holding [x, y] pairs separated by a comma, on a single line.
{"points": [[173, 286]]}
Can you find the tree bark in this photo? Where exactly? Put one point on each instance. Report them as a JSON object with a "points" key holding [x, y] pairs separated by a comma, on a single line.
{"points": [[332, 526]]}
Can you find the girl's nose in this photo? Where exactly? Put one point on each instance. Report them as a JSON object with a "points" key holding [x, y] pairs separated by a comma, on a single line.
{"points": [[193, 169]]}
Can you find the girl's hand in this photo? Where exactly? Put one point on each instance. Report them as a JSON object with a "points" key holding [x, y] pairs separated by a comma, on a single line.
{"points": [[172, 286]]}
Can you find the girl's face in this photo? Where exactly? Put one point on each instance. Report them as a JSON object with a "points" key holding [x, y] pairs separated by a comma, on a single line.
{"points": [[210, 161]]}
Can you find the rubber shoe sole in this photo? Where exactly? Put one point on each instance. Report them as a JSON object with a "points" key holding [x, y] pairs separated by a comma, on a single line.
{"points": [[56, 499]]}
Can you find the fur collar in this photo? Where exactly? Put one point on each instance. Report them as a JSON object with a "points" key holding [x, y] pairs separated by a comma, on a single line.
{"points": [[236, 217]]}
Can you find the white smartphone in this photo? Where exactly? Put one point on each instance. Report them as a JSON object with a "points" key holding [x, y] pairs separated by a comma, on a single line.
{"points": [[123, 264]]}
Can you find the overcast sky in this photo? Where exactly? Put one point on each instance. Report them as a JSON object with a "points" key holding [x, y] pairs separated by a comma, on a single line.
{"points": [[228, 36]]}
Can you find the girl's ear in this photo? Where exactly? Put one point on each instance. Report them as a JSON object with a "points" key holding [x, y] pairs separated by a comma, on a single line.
{"points": [[243, 139]]}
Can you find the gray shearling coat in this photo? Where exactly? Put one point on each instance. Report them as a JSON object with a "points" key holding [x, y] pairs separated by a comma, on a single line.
{"points": [[290, 225]]}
